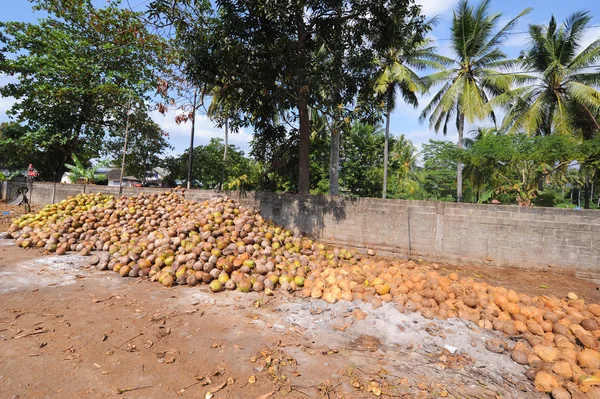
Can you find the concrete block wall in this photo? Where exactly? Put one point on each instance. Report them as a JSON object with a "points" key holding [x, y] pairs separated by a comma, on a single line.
{"points": [[496, 235]]}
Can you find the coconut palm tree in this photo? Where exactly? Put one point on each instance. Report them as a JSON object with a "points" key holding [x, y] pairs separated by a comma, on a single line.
{"points": [[564, 98], [404, 162], [399, 76], [475, 78]]}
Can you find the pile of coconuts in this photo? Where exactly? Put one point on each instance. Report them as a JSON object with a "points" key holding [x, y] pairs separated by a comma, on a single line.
{"points": [[557, 339], [176, 241]]}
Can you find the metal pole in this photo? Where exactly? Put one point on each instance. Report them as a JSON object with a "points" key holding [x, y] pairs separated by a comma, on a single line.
{"points": [[191, 159], [54, 189], [30, 187], [124, 149], [408, 228]]}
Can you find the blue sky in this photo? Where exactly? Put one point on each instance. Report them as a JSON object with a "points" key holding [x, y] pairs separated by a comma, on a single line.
{"points": [[404, 119]]}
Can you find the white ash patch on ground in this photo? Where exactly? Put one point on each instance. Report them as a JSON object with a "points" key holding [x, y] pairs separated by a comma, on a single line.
{"points": [[6, 243], [45, 271], [403, 338]]}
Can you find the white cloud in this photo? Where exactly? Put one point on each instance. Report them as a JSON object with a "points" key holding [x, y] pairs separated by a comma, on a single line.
{"points": [[179, 135], [5, 104], [590, 36], [432, 8], [519, 39]]}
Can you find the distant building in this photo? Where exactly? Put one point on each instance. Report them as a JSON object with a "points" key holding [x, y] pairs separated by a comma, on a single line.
{"points": [[99, 175], [154, 178]]}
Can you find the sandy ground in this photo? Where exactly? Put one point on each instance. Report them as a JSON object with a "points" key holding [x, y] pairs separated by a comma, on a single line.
{"points": [[8, 213], [68, 331]]}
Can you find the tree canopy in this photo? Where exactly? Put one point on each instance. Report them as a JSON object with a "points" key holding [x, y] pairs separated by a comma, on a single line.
{"points": [[77, 72], [263, 55]]}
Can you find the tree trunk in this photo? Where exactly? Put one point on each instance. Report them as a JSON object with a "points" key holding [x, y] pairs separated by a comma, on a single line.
{"points": [[586, 193], [459, 165], [334, 164], [385, 153], [191, 158], [124, 151], [304, 150]]}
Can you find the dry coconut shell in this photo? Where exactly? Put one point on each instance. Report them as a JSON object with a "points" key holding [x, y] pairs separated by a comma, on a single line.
{"points": [[587, 339], [547, 354], [535, 328], [563, 342], [560, 393], [545, 382], [519, 357], [512, 296], [563, 369], [559, 328], [534, 361], [594, 393], [589, 358], [520, 326], [594, 309], [550, 316], [568, 354], [590, 325], [520, 346]]}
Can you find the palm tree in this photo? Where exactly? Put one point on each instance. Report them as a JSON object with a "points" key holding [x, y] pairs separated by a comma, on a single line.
{"points": [[563, 99], [404, 161], [398, 76], [475, 78]]}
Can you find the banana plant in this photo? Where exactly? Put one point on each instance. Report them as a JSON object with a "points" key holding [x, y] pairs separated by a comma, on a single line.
{"points": [[80, 172]]}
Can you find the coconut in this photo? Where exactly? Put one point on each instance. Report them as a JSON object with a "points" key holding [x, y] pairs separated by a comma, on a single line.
{"points": [[560, 393], [258, 286], [590, 325], [545, 382], [547, 354], [124, 270], [230, 285], [589, 358], [192, 280], [215, 286], [244, 285], [167, 280]]}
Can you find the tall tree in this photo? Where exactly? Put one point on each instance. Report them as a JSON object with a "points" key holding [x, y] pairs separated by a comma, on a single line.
{"points": [[406, 176], [77, 71], [466, 89], [398, 75], [146, 145], [208, 165], [565, 98], [439, 170], [261, 54], [362, 160]]}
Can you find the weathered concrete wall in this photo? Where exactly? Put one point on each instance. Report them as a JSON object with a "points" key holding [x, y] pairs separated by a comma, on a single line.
{"points": [[488, 234]]}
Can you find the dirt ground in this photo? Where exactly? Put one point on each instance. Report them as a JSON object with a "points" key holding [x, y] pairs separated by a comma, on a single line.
{"points": [[70, 331], [8, 213]]}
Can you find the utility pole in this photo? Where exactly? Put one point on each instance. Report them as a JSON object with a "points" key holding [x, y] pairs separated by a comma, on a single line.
{"points": [[124, 149], [225, 153], [190, 161]]}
